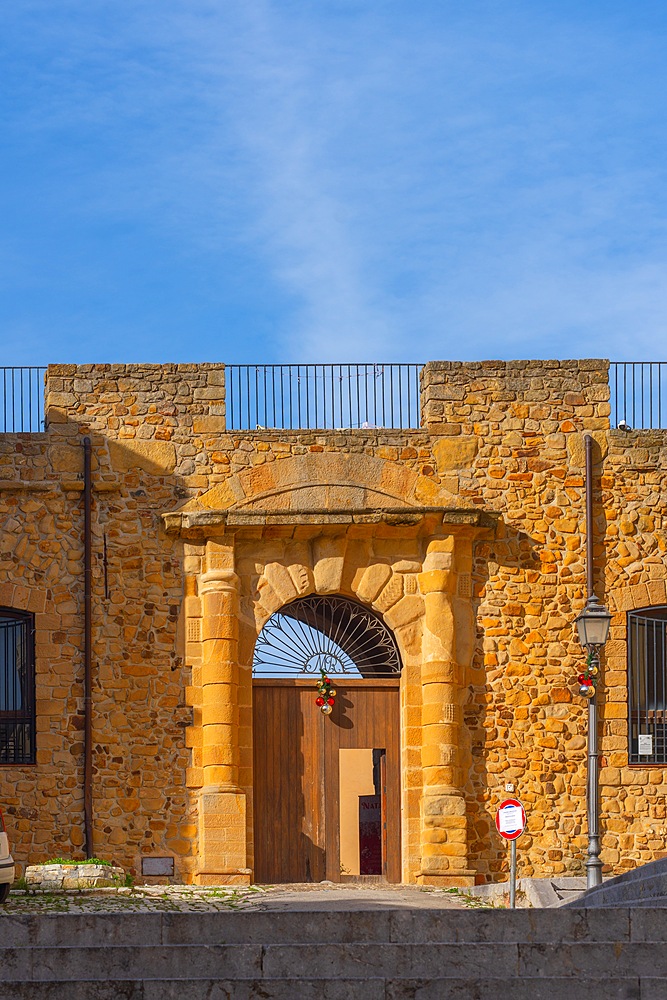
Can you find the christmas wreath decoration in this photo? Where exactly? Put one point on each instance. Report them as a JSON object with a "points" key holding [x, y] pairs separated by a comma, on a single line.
{"points": [[589, 678], [326, 697]]}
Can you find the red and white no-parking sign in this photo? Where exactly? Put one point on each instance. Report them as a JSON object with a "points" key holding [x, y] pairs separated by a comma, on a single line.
{"points": [[511, 819]]}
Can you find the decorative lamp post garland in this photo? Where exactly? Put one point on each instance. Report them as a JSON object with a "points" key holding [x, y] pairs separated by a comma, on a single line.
{"points": [[589, 678], [326, 697]]}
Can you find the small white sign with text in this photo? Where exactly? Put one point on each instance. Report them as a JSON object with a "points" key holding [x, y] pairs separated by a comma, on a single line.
{"points": [[511, 819]]}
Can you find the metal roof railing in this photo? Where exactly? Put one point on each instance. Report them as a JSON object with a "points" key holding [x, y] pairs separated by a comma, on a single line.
{"points": [[302, 397], [22, 399], [299, 397], [638, 394]]}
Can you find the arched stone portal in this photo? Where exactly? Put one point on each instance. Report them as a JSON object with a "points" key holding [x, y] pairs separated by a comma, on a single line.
{"points": [[266, 538]]}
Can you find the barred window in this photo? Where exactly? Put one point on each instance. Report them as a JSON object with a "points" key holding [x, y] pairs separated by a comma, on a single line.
{"points": [[17, 687], [647, 685]]}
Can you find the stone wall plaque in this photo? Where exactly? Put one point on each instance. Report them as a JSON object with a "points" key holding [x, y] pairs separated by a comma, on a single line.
{"points": [[157, 866]]}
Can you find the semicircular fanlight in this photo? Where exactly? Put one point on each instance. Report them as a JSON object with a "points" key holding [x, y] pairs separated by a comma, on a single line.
{"points": [[332, 633]]}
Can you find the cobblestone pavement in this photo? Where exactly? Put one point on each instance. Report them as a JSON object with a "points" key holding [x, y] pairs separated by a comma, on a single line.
{"points": [[179, 898]]}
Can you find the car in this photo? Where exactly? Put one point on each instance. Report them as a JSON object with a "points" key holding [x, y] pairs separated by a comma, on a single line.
{"points": [[7, 872]]}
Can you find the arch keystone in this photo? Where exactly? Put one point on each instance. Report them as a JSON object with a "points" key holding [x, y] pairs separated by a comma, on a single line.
{"points": [[328, 563], [281, 582]]}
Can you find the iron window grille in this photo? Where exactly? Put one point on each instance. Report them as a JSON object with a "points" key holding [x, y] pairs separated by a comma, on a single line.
{"points": [[17, 687], [647, 686]]}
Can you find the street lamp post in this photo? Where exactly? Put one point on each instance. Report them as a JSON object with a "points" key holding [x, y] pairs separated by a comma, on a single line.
{"points": [[593, 627]]}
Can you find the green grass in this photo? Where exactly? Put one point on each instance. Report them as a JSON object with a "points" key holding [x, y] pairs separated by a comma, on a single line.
{"points": [[83, 861]]}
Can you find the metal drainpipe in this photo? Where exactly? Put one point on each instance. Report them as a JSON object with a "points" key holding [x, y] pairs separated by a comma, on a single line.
{"points": [[87, 651], [588, 441], [593, 863]]}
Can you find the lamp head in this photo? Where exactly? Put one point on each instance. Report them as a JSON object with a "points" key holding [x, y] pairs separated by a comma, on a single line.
{"points": [[593, 623]]}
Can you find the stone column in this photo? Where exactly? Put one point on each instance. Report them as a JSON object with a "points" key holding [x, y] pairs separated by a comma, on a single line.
{"points": [[444, 838], [222, 805]]}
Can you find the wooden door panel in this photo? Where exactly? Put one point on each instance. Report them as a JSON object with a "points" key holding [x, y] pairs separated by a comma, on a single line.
{"points": [[296, 774], [288, 762], [365, 715], [313, 790]]}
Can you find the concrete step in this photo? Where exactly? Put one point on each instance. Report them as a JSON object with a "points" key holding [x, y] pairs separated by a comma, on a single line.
{"points": [[537, 892]]}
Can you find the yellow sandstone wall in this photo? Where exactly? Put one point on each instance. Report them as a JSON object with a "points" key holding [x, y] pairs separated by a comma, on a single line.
{"points": [[514, 439], [634, 499], [500, 438]]}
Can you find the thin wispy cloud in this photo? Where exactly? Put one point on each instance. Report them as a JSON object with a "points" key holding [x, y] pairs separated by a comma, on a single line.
{"points": [[302, 200], [340, 180]]}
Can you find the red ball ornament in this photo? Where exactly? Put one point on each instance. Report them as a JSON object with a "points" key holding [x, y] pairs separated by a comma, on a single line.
{"points": [[319, 702], [581, 678], [327, 681], [330, 701]]}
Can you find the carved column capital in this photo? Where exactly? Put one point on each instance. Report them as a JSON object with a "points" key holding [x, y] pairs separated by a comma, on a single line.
{"points": [[218, 581]]}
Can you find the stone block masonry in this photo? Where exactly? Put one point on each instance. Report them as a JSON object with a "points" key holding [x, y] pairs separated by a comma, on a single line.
{"points": [[57, 877], [466, 534], [372, 954]]}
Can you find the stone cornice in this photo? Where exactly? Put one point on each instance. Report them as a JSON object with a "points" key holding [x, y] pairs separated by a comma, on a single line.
{"points": [[417, 520]]}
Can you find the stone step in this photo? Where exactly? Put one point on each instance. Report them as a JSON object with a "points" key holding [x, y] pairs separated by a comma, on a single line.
{"points": [[616, 954], [658, 867], [646, 901], [501, 961], [651, 888], [647, 882], [328, 926], [653, 902], [378, 988]]}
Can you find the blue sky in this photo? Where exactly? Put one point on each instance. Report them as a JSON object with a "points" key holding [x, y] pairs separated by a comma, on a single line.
{"points": [[332, 180]]}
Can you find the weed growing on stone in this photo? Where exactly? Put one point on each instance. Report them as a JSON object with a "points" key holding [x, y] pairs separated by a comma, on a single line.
{"points": [[83, 861]]}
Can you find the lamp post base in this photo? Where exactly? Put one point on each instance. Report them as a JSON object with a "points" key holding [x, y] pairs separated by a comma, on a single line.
{"points": [[593, 863], [593, 872]]}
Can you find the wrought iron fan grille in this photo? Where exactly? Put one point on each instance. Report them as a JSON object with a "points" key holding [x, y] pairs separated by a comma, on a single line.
{"points": [[332, 633]]}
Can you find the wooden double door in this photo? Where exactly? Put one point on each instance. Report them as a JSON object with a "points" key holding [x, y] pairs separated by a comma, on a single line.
{"points": [[326, 789]]}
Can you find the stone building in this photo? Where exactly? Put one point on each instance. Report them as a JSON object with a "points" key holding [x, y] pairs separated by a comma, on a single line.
{"points": [[459, 544]]}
